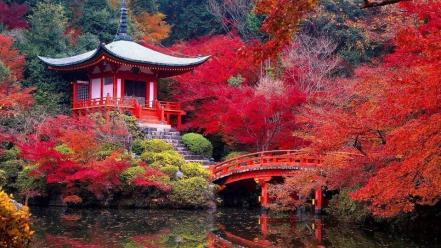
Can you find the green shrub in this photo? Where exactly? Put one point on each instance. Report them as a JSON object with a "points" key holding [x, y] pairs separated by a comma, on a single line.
{"points": [[150, 145], [195, 170], [10, 154], [198, 144], [191, 192], [344, 208], [232, 155], [132, 125], [107, 150], [138, 146], [3, 178], [170, 170], [11, 168], [157, 145], [131, 173], [161, 159], [64, 149], [28, 185]]}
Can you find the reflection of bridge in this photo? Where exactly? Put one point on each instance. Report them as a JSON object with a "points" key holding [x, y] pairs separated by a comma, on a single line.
{"points": [[262, 167], [227, 239]]}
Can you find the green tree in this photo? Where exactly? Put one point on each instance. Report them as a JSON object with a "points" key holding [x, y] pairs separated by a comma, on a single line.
{"points": [[99, 19], [190, 19], [46, 38], [140, 6], [343, 22]]}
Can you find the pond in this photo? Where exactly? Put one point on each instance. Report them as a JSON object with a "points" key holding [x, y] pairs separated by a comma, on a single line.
{"points": [[93, 228]]}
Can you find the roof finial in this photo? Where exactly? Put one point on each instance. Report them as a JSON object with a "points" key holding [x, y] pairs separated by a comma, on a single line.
{"points": [[122, 30]]}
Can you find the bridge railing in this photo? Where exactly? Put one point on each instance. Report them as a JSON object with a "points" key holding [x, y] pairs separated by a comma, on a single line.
{"points": [[263, 159]]}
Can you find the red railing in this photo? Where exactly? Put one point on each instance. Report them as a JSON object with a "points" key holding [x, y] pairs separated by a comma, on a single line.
{"points": [[163, 109], [104, 102], [260, 160], [136, 108], [170, 106], [159, 110]]}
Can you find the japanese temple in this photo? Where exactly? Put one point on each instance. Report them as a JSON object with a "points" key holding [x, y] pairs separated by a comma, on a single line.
{"points": [[124, 75]]}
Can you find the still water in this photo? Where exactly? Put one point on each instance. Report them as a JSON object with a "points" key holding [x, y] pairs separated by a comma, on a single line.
{"points": [[57, 227]]}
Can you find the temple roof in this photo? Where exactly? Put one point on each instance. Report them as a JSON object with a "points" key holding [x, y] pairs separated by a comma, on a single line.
{"points": [[128, 51], [123, 48]]}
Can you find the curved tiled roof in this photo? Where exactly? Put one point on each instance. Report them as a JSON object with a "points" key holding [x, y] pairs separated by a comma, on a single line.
{"points": [[128, 51]]}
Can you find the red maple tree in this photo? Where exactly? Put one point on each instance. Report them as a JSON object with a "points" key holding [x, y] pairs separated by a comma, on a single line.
{"points": [[12, 16], [390, 115], [68, 153]]}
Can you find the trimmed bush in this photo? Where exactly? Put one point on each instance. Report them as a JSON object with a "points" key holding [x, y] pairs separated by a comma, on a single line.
{"points": [[170, 170], [131, 173], [191, 192], [195, 170], [138, 146], [198, 144], [15, 230], [150, 145], [162, 159], [232, 155]]}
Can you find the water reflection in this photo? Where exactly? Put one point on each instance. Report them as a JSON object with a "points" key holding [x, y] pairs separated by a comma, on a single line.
{"points": [[57, 227]]}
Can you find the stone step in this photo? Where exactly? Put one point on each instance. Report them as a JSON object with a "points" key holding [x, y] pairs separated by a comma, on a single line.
{"points": [[206, 163], [194, 157], [172, 136]]}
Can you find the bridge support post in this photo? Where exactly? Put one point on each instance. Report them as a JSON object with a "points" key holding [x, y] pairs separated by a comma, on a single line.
{"points": [[318, 230], [264, 196], [263, 221], [318, 200]]}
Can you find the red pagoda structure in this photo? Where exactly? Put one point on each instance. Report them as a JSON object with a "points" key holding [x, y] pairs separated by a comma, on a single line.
{"points": [[124, 75]]}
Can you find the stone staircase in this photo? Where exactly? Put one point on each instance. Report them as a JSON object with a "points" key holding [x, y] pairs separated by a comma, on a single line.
{"points": [[172, 136]]}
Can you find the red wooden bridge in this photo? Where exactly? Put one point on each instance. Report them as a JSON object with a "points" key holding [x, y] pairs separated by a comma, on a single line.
{"points": [[263, 167]]}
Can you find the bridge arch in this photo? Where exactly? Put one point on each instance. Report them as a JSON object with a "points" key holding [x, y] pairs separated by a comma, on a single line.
{"points": [[262, 167]]}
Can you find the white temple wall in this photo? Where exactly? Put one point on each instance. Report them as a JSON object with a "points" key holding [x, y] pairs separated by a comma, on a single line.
{"points": [[118, 88], [96, 88]]}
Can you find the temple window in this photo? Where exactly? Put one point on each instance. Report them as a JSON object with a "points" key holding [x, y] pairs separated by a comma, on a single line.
{"points": [[83, 90]]}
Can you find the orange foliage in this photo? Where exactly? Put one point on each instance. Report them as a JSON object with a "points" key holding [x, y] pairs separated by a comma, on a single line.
{"points": [[295, 190], [282, 18], [11, 58], [390, 114], [153, 27], [13, 98]]}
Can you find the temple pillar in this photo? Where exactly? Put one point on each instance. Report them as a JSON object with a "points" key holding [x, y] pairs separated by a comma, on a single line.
{"points": [[151, 93], [115, 87], [318, 200], [102, 89], [264, 195], [179, 121], [75, 94]]}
